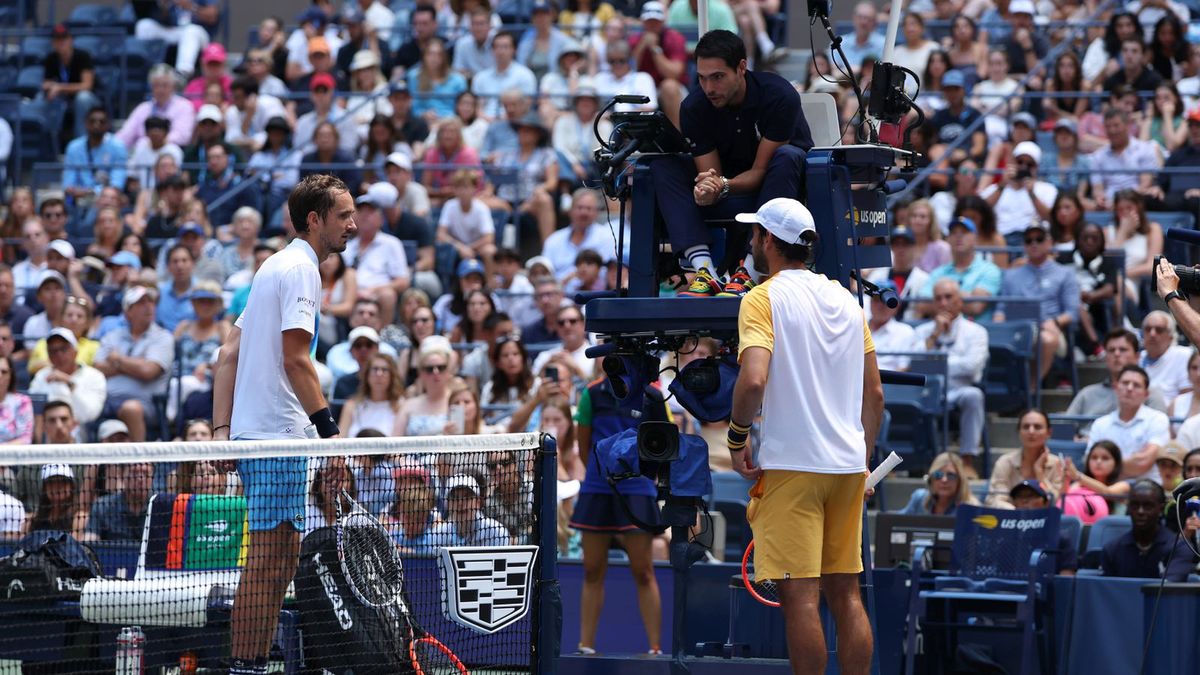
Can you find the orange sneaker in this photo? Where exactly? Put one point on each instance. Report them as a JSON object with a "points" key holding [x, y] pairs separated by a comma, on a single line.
{"points": [[738, 285]]}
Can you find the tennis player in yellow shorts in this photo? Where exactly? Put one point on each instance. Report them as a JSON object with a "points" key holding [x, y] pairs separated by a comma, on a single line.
{"points": [[808, 362]]}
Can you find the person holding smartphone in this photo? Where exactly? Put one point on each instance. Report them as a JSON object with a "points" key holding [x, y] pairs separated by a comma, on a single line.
{"points": [[1021, 199]]}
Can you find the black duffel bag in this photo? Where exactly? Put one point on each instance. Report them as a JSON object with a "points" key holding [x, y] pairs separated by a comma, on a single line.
{"points": [[341, 634], [47, 565]]}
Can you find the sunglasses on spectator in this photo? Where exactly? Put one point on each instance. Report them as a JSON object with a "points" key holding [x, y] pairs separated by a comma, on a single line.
{"points": [[1035, 239], [569, 322], [434, 368], [944, 475], [511, 337]]}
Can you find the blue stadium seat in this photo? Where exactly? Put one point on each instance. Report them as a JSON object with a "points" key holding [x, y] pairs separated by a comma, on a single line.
{"points": [[89, 16], [39, 123], [917, 414], [737, 529], [1006, 381], [33, 51], [1109, 528], [103, 48], [139, 57], [109, 91], [1073, 450], [730, 486], [29, 81], [1071, 528], [8, 77]]}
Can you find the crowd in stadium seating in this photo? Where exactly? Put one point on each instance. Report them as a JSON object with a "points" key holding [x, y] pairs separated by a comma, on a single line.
{"points": [[467, 144]]}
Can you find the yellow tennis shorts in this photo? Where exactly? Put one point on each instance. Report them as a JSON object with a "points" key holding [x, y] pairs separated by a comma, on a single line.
{"points": [[806, 524]]}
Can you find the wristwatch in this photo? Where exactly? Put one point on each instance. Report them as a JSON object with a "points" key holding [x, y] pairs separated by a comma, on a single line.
{"points": [[1172, 296], [724, 188]]}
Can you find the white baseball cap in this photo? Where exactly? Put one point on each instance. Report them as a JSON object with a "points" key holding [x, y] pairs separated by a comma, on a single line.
{"points": [[653, 10], [462, 481], [399, 159], [380, 195], [785, 218], [64, 333], [52, 275], [209, 112], [63, 248], [1022, 7], [110, 428], [1030, 150], [363, 332], [57, 471], [134, 295]]}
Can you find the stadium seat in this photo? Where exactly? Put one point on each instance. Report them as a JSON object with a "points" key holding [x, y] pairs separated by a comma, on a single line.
{"points": [[1006, 381], [1071, 528], [29, 81], [730, 486], [1070, 449], [103, 48], [39, 123], [33, 51], [991, 567], [90, 16], [737, 529], [139, 56], [1103, 531], [917, 416], [109, 90]]}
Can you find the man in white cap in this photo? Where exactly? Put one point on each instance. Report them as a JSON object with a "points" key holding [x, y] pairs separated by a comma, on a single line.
{"points": [[409, 220], [113, 431], [799, 333], [136, 359], [465, 524], [1021, 199], [411, 196], [377, 256], [346, 360], [1025, 47], [82, 385]]}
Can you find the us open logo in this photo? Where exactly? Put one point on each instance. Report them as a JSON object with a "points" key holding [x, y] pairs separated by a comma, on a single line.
{"points": [[486, 588]]}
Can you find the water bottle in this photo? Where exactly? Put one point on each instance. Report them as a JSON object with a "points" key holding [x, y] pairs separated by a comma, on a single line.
{"points": [[131, 649]]}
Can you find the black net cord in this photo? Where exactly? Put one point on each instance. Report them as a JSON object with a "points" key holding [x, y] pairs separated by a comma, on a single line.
{"points": [[547, 601]]}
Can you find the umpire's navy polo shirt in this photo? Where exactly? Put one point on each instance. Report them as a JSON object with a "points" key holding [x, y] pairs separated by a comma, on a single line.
{"points": [[770, 110]]}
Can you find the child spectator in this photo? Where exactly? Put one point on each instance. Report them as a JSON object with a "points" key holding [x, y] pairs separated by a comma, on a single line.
{"points": [[466, 221], [586, 276]]}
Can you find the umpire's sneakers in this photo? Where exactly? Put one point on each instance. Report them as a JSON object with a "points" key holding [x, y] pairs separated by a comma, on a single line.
{"points": [[738, 285], [705, 285]]}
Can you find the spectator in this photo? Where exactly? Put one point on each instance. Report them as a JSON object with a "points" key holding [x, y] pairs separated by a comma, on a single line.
{"points": [[427, 414], [368, 96], [220, 179], [412, 197], [509, 501], [70, 77], [1102, 58], [465, 524], [548, 296], [328, 155], [36, 245], [473, 51], [506, 74], [376, 402], [512, 380], [260, 67], [914, 53], [1169, 462], [451, 307], [1141, 239], [1025, 46], [381, 141], [136, 361], [1022, 199], [1138, 430], [424, 28], [957, 117], [1073, 167], [573, 135], [1097, 279], [966, 345], [148, 149], [963, 47], [1033, 494], [1164, 359], [543, 42], [948, 487], [1093, 493], [106, 226], [908, 280], [339, 289], [247, 117], [421, 325], [501, 135], [1191, 465], [930, 99], [194, 234], [174, 304], [929, 250], [1054, 285], [1164, 122], [313, 23], [197, 341], [1148, 550], [560, 83], [121, 515], [410, 127], [513, 291], [1135, 158], [570, 356], [1092, 134], [449, 150], [16, 409], [1032, 462], [973, 276], [1135, 70], [533, 194], [1187, 404], [1189, 86], [1178, 190], [165, 103], [52, 298], [890, 335], [1168, 47], [238, 256], [621, 78], [12, 314], [436, 86], [412, 515], [378, 256], [997, 89], [69, 377], [124, 267], [478, 308], [324, 111], [466, 222], [20, 208], [360, 36], [614, 31], [332, 479], [212, 72], [583, 232], [865, 42], [1068, 77], [349, 358], [280, 165]]}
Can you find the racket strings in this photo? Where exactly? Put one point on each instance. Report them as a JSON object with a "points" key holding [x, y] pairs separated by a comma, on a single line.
{"points": [[371, 566], [765, 591], [430, 657]]}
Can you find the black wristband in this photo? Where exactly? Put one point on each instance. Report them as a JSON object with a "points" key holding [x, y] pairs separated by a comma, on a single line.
{"points": [[1173, 295], [324, 422]]}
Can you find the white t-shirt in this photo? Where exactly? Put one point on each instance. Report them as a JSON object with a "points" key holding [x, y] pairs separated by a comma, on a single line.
{"points": [[285, 294], [12, 514], [817, 336], [586, 364], [1169, 373], [1147, 426], [634, 82], [1015, 210], [470, 226], [894, 336], [379, 263], [561, 251]]}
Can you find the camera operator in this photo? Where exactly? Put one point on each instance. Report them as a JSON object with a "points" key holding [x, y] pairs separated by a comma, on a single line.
{"points": [[1181, 306], [748, 137]]}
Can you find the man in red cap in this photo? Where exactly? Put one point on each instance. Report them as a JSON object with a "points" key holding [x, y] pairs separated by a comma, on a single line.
{"points": [[323, 85], [70, 77], [212, 71]]}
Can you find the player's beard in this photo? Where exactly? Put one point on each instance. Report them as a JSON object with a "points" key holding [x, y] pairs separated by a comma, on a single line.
{"points": [[334, 244]]}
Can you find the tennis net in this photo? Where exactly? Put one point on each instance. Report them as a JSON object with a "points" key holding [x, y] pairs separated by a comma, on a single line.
{"points": [[176, 539]]}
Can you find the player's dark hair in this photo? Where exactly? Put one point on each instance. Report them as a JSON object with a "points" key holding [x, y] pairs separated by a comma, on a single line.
{"points": [[721, 44], [801, 252], [314, 194]]}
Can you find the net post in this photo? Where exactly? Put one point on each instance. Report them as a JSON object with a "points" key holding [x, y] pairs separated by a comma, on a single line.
{"points": [[547, 612]]}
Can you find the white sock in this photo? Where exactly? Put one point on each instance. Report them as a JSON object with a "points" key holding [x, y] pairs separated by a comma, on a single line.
{"points": [[699, 256], [765, 45]]}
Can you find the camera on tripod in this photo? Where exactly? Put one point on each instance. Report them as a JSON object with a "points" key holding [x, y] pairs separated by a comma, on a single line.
{"points": [[1189, 278]]}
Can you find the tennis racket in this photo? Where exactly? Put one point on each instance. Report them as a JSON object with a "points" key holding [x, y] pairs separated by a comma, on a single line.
{"points": [[375, 574], [763, 590]]}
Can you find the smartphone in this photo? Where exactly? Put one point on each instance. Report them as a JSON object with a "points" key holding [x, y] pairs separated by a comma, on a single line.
{"points": [[458, 417], [552, 373]]}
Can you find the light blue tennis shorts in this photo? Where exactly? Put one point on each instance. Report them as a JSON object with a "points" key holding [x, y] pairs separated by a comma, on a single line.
{"points": [[275, 491]]}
